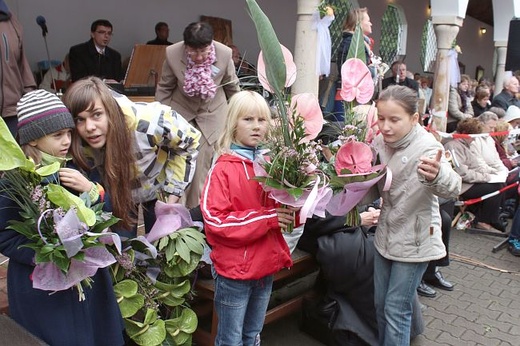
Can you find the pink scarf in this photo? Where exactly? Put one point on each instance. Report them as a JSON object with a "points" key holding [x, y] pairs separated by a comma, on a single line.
{"points": [[197, 79]]}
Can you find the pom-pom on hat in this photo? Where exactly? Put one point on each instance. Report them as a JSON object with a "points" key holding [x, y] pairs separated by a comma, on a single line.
{"points": [[41, 113]]}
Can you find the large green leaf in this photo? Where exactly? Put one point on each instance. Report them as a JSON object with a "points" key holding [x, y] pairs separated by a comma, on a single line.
{"points": [[12, 155], [126, 288], [131, 305], [182, 249], [357, 46], [270, 46], [60, 196], [193, 244], [45, 171], [187, 322], [148, 335]]}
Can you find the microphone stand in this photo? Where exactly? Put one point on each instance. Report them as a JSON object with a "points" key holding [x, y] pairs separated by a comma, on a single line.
{"points": [[44, 34]]}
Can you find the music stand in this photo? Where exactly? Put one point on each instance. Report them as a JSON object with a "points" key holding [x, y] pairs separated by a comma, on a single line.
{"points": [[145, 66]]}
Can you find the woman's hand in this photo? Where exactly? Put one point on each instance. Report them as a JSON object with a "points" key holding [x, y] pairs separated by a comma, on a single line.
{"points": [[74, 180], [370, 217], [285, 217], [428, 167]]}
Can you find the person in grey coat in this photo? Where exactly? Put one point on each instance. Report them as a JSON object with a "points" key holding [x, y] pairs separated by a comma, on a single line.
{"points": [[408, 234]]}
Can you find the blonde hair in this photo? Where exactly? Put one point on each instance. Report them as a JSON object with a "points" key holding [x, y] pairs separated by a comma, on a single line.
{"points": [[31, 152], [502, 125], [240, 104], [354, 16]]}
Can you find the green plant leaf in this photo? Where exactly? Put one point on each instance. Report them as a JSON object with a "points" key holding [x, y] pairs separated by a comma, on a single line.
{"points": [[12, 155], [149, 335], [126, 288], [182, 249], [270, 46], [60, 196], [357, 46], [150, 317], [129, 306], [185, 268], [186, 322], [47, 170], [193, 244]]}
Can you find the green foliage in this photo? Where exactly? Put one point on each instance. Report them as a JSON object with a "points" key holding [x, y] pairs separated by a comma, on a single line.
{"points": [[357, 46], [270, 45], [155, 311]]}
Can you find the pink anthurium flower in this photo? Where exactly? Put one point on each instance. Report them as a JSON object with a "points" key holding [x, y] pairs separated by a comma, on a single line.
{"points": [[356, 157], [290, 69], [356, 81], [307, 106]]}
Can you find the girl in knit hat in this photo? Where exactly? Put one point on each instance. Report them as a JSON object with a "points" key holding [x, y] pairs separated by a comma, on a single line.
{"points": [[58, 318]]}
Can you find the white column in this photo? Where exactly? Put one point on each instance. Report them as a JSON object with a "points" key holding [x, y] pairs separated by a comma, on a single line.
{"points": [[501, 48], [503, 12], [305, 49], [445, 33], [447, 18]]}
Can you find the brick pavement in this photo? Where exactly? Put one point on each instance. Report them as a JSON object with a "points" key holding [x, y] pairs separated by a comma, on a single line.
{"points": [[484, 308]]}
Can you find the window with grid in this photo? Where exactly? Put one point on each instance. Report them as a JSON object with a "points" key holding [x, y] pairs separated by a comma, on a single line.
{"points": [[428, 47], [341, 9], [393, 34]]}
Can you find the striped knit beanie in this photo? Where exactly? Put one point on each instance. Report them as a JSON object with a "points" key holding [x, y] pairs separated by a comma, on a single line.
{"points": [[41, 113]]}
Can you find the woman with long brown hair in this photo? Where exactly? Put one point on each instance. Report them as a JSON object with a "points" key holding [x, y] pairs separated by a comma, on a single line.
{"points": [[140, 150]]}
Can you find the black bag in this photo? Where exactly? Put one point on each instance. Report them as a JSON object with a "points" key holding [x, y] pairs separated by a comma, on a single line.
{"points": [[318, 317]]}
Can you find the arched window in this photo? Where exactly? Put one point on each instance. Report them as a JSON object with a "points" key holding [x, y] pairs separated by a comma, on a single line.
{"points": [[393, 34], [428, 47]]}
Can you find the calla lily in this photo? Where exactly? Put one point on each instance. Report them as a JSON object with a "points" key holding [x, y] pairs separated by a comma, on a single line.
{"points": [[356, 81], [356, 157], [12, 155], [290, 69], [307, 106]]}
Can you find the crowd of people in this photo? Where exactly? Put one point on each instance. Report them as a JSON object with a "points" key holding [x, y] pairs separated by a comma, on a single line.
{"points": [[196, 146]]}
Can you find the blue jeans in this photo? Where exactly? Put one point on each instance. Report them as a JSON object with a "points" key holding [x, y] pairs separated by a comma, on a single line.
{"points": [[515, 227], [395, 285], [241, 307]]}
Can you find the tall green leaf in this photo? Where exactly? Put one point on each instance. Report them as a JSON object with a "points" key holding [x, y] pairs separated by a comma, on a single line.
{"points": [[270, 46], [357, 46]]}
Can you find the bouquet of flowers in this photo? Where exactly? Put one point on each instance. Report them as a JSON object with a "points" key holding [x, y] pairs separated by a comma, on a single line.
{"points": [[152, 279], [353, 169], [291, 175], [68, 235]]}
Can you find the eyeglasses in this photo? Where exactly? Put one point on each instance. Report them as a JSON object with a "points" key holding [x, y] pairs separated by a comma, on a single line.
{"points": [[197, 52], [103, 32]]}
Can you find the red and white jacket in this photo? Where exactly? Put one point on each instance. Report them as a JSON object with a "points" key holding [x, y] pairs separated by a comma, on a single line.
{"points": [[241, 223]]}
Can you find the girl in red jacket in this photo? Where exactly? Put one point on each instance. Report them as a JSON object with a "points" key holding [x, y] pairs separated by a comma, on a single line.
{"points": [[243, 225]]}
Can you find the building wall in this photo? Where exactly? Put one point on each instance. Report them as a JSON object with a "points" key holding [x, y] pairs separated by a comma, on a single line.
{"points": [[69, 23]]}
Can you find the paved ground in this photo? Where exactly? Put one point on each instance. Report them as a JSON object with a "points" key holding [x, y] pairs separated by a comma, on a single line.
{"points": [[484, 308]]}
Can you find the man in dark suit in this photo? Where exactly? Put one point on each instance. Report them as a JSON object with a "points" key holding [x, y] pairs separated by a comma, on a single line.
{"points": [[399, 77], [162, 31], [94, 57]]}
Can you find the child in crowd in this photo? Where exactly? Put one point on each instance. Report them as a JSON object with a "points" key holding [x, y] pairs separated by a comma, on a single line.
{"points": [[140, 150], [243, 225], [408, 234], [58, 318]]}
